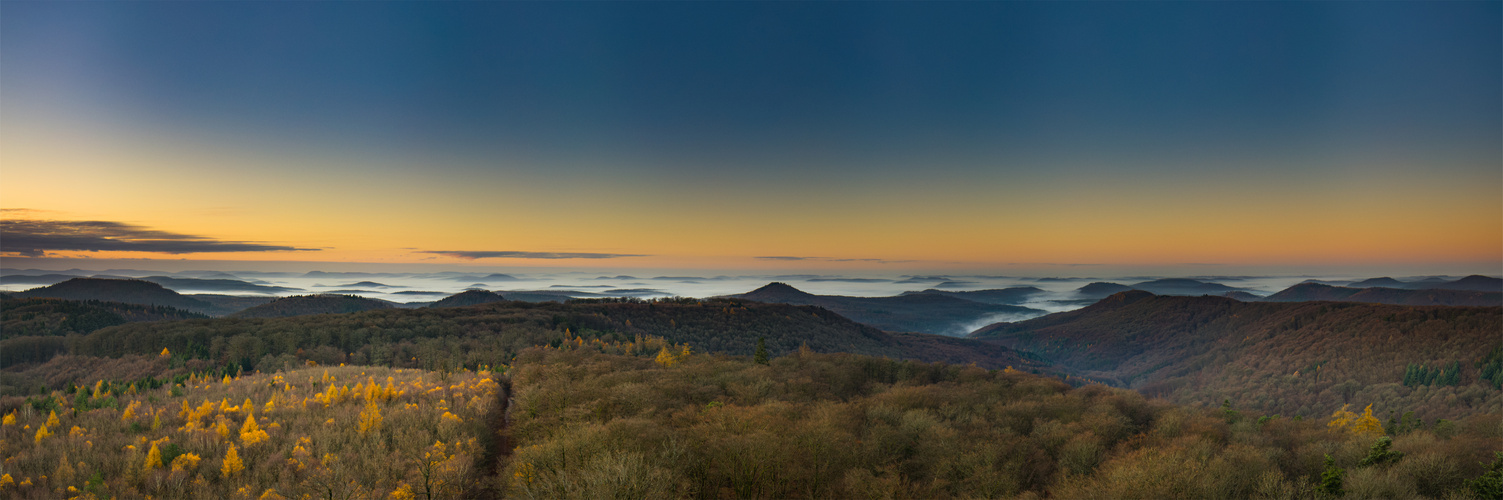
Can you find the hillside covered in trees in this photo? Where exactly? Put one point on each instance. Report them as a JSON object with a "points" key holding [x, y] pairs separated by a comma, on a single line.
{"points": [[1306, 358], [468, 298], [315, 432], [48, 317], [142, 292], [937, 313], [302, 305], [651, 419], [1381, 295], [495, 332], [595, 424]]}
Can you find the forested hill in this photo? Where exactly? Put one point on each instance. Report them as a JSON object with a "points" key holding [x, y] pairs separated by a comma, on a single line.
{"points": [[1380, 295], [301, 305], [493, 333], [944, 314], [1305, 358], [45, 317], [468, 298], [129, 291]]}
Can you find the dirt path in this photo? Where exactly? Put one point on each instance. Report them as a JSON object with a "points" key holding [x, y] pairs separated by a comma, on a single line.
{"points": [[486, 479]]}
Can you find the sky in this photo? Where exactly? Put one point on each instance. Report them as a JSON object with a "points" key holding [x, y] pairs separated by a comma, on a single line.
{"points": [[772, 135]]}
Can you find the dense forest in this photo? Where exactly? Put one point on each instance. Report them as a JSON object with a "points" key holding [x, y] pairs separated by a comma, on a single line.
{"points": [[141, 292], [314, 432], [49, 317], [302, 305], [1306, 358], [491, 334], [651, 419], [468, 298], [592, 424], [1379, 295]]}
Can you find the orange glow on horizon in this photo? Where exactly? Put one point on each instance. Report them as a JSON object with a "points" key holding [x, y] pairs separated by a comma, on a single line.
{"points": [[357, 209]]}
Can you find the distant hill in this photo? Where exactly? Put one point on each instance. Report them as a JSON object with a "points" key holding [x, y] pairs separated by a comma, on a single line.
{"points": [[221, 305], [484, 333], [469, 298], [548, 295], [1305, 358], [1475, 283], [1242, 296], [936, 313], [1384, 282], [300, 305], [488, 277], [362, 284], [1100, 290], [129, 291], [216, 285], [1182, 286], [48, 317], [35, 279], [1006, 296], [1428, 297]]}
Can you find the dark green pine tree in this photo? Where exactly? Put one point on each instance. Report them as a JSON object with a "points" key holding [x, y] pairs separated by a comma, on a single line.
{"points": [[1330, 479], [761, 355], [1453, 374], [1380, 453], [1490, 485]]}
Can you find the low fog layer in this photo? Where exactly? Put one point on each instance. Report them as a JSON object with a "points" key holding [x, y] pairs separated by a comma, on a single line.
{"points": [[1059, 293]]}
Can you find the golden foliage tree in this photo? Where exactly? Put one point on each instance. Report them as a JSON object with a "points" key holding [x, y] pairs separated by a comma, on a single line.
{"points": [[153, 458], [232, 464], [370, 417], [666, 358], [250, 433], [1363, 425]]}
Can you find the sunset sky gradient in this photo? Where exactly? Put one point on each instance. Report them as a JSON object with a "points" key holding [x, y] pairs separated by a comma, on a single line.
{"points": [[756, 135]]}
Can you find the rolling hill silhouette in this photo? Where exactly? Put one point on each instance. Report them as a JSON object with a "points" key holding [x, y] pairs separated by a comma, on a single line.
{"points": [[936, 313]]}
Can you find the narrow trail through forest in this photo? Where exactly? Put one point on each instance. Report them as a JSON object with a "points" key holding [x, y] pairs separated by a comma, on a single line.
{"points": [[486, 479]]}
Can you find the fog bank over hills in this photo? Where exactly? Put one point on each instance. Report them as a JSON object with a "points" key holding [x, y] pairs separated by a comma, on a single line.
{"points": [[950, 304]]}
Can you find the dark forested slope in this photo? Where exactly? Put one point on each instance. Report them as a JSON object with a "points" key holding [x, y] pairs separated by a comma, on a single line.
{"points": [[1304, 358], [1379, 295], [943, 314], [600, 425], [301, 305], [47, 317], [469, 298], [129, 291], [492, 333]]}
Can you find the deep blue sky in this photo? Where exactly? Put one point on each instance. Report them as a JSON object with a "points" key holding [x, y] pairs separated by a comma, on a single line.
{"points": [[837, 81], [975, 133]]}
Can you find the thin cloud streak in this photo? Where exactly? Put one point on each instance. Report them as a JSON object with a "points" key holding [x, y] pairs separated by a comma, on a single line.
{"points": [[511, 254], [34, 238], [828, 259]]}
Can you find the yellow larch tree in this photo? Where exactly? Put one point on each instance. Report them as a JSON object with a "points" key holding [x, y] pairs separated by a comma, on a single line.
{"points": [[232, 464], [370, 417], [1365, 424], [130, 411], [666, 358], [153, 458], [250, 433]]}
